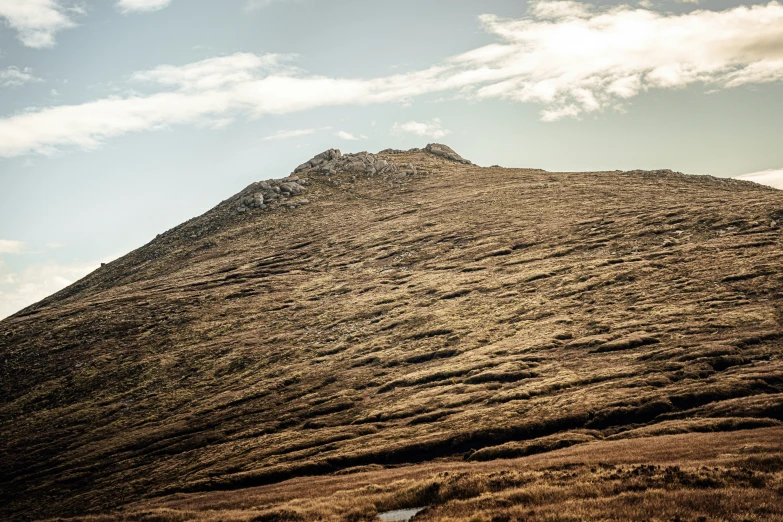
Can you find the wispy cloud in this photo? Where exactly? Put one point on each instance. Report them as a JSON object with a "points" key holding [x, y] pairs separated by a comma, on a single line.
{"points": [[36, 22], [343, 135], [37, 281], [209, 90], [255, 5], [288, 134], [432, 129], [576, 58], [771, 177], [571, 58], [8, 246], [22, 288], [15, 77], [140, 6]]}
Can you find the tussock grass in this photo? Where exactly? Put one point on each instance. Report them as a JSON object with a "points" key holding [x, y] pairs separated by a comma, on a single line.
{"points": [[682, 478], [398, 324]]}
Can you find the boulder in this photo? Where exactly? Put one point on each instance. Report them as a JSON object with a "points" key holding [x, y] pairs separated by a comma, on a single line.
{"points": [[324, 157], [445, 151], [292, 188], [332, 162]]}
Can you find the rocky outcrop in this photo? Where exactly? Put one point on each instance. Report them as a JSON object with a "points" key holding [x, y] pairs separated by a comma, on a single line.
{"points": [[324, 157], [263, 193], [447, 152], [276, 192], [334, 162]]}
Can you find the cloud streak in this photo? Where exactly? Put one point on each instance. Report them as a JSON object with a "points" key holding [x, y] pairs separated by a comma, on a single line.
{"points": [[288, 134], [432, 129], [15, 77], [576, 59], [571, 58], [36, 22], [21, 289], [345, 135], [771, 177], [141, 6], [9, 246], [211, 90]]}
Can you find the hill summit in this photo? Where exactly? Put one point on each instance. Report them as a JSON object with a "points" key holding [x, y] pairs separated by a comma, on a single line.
{"points": [[406, 329]]}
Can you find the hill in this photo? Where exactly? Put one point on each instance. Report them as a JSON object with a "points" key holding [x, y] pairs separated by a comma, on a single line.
{"points": [[408, 329]]}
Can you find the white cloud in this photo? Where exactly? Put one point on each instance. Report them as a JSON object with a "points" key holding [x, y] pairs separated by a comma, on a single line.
{"points": [[577, 59], [560, 10], [36, 22], [8, 246], [214, 73], [343, 135], [19, 290], [15, 77], [6, 279], [140, 6], [571, 58], [205, 91], [288, 134], [255, 5], [432, 129], [772, 177]]}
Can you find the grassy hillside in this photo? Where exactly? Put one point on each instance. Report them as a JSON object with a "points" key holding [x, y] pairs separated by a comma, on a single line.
{"points": [[402, 336]]}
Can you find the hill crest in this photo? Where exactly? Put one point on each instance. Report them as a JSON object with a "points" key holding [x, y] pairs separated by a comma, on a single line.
{"points": [[453, 315]]}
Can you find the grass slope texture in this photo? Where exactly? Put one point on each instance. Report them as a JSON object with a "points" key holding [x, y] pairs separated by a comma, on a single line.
{"points": [[408, 329]]}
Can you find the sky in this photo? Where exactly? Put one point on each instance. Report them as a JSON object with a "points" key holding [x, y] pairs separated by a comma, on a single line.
{"points": [[120, 119]]}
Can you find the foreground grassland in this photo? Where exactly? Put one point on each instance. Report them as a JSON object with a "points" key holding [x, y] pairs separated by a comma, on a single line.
{"points": [[726, 476], [497, 344]]}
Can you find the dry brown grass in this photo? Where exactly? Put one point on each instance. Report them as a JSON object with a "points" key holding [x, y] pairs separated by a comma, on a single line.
{"points": [[387, 324], [718, 476]]}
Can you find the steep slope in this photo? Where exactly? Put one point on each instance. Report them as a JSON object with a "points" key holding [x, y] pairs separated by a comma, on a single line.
{"points": [[371, 311]]}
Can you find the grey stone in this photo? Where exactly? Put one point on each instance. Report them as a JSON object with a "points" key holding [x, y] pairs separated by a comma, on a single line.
{"points": [[326, 156], [292, 188], [332, 162], [445, 151]]}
